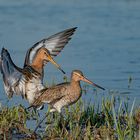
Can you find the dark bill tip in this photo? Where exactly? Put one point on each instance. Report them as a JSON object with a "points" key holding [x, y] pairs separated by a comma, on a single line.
{"points": [[99, 87], [62, 70]]}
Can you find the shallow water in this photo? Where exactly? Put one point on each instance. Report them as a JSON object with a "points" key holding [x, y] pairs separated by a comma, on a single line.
{"points": [[106, 45]]}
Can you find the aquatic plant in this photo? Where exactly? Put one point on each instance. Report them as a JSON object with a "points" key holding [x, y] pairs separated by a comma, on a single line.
{"points": [[80, 122], [111, 121], [12, 121]]}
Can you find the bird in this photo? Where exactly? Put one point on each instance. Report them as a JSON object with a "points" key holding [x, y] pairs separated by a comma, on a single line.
{"points": [[54, 44], [64, 94], [28, 81]]}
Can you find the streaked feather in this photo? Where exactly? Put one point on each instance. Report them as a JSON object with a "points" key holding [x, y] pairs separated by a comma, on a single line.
{"points": [[54, 44], [27, 80]]}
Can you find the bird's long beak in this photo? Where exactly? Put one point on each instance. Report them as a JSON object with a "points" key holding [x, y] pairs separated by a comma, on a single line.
{"points": [[90, 82], [53, 62]]}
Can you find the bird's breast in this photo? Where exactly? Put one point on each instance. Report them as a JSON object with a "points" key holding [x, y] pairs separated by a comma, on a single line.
{"points": [[32, 88], [29, 87], [74, 94]]}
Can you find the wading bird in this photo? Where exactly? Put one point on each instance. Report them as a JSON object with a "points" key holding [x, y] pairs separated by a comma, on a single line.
{"points": [[28, 81], [63, 94]]}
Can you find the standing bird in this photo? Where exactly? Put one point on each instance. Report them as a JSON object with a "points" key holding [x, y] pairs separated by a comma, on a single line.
{"points": [[64, 94], [28, 81]]}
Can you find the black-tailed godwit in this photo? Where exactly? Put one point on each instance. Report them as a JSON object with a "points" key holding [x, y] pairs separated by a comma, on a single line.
{"points": [[28, 81]]}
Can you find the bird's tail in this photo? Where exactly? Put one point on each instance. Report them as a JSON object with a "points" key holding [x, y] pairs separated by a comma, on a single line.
{"points": [[10, 72]]}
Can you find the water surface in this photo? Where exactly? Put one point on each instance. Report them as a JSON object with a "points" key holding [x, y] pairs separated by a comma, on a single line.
{"points": [[106, 45]]}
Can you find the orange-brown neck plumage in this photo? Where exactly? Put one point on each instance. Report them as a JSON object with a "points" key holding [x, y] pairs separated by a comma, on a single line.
{"points": [[38, 61]]}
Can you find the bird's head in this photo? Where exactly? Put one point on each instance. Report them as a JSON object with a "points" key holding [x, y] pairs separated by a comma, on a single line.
{"points": [[77, 75], [44, 55]]}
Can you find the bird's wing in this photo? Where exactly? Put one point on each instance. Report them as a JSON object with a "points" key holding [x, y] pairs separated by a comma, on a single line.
{"points": [[10, 72], [51, 95], [54, 44]]}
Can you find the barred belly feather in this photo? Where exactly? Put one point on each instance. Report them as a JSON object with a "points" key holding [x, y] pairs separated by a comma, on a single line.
{"points": [[29, 85], [32, 89]]}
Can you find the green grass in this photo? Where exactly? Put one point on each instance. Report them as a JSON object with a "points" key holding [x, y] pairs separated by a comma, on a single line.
{"points": [[13, 120], [80, 121]]}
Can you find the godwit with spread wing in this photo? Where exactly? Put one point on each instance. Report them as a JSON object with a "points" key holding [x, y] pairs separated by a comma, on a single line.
{"points": [[28, 81]]}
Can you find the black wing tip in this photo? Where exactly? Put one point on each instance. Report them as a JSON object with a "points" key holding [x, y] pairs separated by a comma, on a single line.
{"points": [[4, 50], [35, 107], [29, 107], [65, 33], [73, 28], [70, 30]]}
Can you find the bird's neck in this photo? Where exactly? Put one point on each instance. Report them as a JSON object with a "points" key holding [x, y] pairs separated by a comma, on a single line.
{"points": [[30, 72], [75, 84], [38, 65]]}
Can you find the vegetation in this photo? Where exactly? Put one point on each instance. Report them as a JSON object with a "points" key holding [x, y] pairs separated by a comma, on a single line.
{"points": [[13, 121], [80, 121]]}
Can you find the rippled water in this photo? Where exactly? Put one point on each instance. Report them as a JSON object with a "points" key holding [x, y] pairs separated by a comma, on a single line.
{"points": [[106, 45]]}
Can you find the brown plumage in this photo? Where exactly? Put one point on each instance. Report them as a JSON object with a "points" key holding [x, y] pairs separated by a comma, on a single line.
{"points": [[28, 81], [64, 94]]}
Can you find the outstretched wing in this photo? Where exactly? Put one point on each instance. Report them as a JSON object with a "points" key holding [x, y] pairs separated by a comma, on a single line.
{"points": [[51, 95], [10, 72], [54, 44]]}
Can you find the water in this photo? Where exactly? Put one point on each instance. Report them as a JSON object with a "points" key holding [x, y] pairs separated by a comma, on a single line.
{"points": [[106, 45]]}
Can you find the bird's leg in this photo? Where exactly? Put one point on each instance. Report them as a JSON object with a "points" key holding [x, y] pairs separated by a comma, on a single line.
{"points": [[41, 122], [61, 121], [61, 115], [52, 110], [53, 115], [61, 118], [35, 114]]}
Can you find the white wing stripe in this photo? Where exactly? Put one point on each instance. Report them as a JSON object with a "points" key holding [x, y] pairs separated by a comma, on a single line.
{"points": [[54, 44]]}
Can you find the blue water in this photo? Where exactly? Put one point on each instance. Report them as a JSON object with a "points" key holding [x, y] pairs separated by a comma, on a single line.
{"points": [[106, 45]]}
